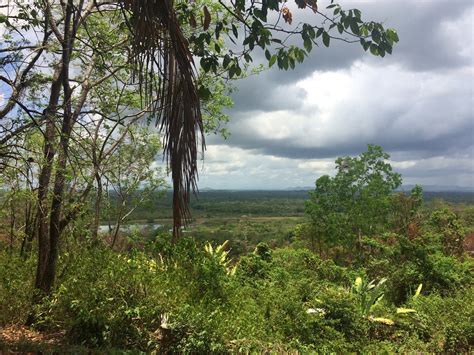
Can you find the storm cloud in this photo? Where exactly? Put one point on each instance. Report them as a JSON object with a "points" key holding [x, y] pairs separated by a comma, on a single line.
{"points": [[288, 127]]}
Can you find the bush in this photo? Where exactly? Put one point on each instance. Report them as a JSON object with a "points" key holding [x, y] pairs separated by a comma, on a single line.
{"points": [[408, 263], [103, 299], [16, 288], [445, 323], [186, 298]]}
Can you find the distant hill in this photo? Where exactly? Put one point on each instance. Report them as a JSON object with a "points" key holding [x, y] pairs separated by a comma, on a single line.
{"points": [[426, 188], [440, 188]]}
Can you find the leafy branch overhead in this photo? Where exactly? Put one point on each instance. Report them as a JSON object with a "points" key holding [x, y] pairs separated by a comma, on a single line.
{"points": [[273, 27]]}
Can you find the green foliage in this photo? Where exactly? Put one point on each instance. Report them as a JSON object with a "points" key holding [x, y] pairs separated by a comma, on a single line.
{"points": [[16, 288], [181, 298], [102, 299], [356, 202], [445, 323], [449, 225], [369, 294], [225, 23], [409, 263]]}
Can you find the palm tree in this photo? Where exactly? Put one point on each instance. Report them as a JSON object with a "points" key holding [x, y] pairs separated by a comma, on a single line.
{"points": [[159, 50]]}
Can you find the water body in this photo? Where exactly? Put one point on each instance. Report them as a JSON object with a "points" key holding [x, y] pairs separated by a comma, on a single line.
{"points": [[129, 228]]}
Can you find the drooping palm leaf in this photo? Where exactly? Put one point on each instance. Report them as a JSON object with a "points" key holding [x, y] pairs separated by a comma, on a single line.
{"points": [[161, 51]]}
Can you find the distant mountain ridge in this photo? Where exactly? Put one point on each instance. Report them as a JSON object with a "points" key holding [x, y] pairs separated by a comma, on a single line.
{"points": [[439, 188], [427, 188]]}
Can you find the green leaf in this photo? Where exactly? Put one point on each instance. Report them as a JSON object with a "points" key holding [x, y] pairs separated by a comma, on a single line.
{"points": [[272, 60], [366, 44], [204, 93], [405, 310], [354, 27], [392, 35], [374, 49], [205, 64], [234, 31], [292, 62], [376, 36], [358, 283], [326, 39], [385, 321], [226, 61], [340, 28], [267, 54], [238, 71], [285, 63], [418, 291], [381, 51]]}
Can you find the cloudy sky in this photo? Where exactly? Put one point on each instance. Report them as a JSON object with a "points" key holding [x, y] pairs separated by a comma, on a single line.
{"points": [[287, 128]]}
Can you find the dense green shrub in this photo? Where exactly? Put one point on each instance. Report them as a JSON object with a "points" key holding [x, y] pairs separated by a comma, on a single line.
{"points": [[407, 263], [103, 299], [16, 288], [445, 323], [186, 298]]}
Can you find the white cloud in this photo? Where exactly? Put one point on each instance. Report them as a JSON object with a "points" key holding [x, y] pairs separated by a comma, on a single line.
{"points": [[419, 117]]}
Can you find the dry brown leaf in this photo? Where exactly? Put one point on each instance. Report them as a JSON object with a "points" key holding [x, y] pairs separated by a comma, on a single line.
{"points": [[287, 15], [207, 18]]}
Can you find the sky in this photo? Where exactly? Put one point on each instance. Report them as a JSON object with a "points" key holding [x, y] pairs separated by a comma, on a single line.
{"points": [[287, 128]]}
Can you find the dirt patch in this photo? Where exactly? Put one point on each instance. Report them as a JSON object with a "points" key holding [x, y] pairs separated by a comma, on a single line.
{"points": [[469, 244], [15, 338]]}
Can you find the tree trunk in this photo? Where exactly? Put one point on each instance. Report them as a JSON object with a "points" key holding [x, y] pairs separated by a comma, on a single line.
{"points": [[56, 205], [48, 247], [12, 224], [118, 224], [30, 226], [43, 207], [44, 179], [97, 207]]}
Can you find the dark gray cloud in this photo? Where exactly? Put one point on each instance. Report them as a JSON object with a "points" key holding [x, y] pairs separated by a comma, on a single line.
{"points": [[417, 104], [427, 42]]}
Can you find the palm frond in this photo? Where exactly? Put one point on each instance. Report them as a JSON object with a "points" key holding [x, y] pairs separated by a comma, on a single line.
{"points": [[166, 74]]}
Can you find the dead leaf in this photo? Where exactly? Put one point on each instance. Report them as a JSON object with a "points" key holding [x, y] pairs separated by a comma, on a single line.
{"points": [[207, 18]]}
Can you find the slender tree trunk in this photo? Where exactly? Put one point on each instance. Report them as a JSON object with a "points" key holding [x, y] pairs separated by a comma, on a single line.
{"points": [[97, 207], [44, 179], [43, 205], [56, 204], [29, 221], [12, 224], [30, 234], [47, 264], [118, 225], [30, 228]]}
